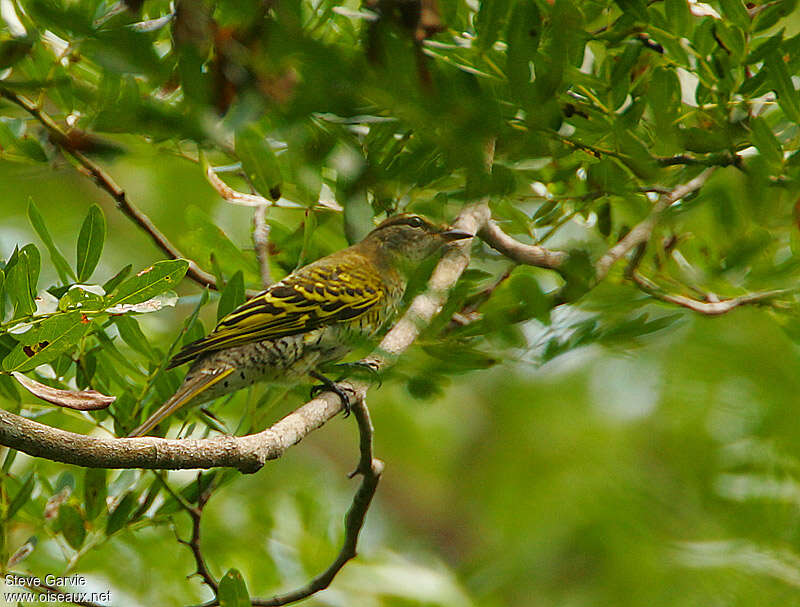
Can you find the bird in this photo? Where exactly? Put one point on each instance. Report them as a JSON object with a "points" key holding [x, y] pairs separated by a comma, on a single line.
{"points": [[313, 317]]}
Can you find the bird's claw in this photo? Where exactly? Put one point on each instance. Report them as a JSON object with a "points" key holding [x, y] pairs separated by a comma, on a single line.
{"points": [[329, 386]]}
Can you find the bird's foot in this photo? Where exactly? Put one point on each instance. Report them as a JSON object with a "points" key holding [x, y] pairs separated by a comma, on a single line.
{"points": [[359, 366], [328, 385]]}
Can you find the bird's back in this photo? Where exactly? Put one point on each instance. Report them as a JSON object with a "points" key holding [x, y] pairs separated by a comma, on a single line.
{"points": [[347, 289]]}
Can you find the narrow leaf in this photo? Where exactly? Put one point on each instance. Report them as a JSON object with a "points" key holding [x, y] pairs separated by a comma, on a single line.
{"points": [[148, 283], [22, 278], [121, 514], [59, 261], [113, 282], [22, 496], [232, 295], [90, 242], [259, 162], [72, 527], [94, 492], [735, 11], [132, 335], [782, 84]]}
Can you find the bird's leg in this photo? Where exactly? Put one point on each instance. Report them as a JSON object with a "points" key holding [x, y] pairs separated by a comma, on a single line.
{"points": [[328, 385]]}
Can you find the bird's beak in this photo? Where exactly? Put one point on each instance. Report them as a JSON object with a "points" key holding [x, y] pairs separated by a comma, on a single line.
{"points": [[453, 234]]}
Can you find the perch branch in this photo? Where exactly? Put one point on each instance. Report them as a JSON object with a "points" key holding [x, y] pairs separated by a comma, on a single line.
{"points": [[107, 183], [640, 233]]}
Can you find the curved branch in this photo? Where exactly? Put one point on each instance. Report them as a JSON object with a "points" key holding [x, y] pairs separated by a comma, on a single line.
{"points": [[246, 453], [528, 254]]}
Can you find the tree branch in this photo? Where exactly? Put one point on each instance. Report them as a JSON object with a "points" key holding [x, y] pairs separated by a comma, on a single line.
{"points": [[641, 232], [528, 254], [105, 182]]}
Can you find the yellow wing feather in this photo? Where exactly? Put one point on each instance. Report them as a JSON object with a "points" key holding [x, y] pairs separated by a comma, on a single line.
{"points": [[326, 292]]}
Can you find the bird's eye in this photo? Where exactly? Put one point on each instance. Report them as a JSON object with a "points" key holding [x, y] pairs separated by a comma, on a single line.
{"points": [[415, 222]]}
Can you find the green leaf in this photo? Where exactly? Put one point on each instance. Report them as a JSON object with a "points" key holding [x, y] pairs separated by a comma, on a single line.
{"points": [[132, 335], [788, 98], [44, 343], [161, 276], [13, 50], [81, 299], [22, 277], [766, 142], [637, 8], [259, 162], [736, 12], [59, 261], [232, 295], [2, 294], [524, 34], [113, 282], [90, 242], [232, 590], [22, 496], [121, 514], [94, 492], [490, 18], [202, 238], [71, 523]]}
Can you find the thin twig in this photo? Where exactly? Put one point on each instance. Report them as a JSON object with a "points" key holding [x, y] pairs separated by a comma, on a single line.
{"points": [[261, 243], [371, 469], [196, 514], [105, 182], [255, 200], [528, 254], [641, 232], [709, 308]]}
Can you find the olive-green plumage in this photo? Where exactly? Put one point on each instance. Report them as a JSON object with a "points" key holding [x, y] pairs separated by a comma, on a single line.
{"points": [[314, 316]]}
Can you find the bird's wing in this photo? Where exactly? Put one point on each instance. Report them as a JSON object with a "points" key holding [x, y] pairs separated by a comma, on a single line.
{"points": [[320, 294]]}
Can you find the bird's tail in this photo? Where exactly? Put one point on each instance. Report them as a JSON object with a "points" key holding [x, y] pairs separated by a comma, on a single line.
{"points": [[189, 390]]}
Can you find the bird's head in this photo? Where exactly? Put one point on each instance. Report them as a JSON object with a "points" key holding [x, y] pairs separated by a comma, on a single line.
{"points": [[410, 238]]}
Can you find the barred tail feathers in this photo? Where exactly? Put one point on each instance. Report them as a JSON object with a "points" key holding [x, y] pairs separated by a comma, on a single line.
{"points": [[188, 391]]}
